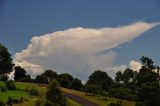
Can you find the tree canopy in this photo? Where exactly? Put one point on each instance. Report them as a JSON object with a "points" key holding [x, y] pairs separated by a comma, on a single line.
{"points": [[6, 64], [99, 80], [20, 74]]}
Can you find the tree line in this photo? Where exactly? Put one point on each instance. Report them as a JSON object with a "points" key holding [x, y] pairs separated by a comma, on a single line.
{"points": [[141, 86]]}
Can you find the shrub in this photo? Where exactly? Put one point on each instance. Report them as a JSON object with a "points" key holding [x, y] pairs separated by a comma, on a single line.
{"points": [[3, 78], [54, 95], [15, 101], [3, 89], [40, 102], [2, 103], [10, 101], [122, 93], [140, 104], [10, 85], [33, 91]]}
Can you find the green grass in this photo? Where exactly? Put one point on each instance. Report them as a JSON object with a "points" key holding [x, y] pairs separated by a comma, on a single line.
{"points": [[24, 86], [21, 92], [31, 102], [2, 84], [99, 100], [72, 103], [13, 94]]}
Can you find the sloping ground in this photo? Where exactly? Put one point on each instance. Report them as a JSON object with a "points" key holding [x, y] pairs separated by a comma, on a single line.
{"points": [[21, 92], [83, 99], [96, 99]]}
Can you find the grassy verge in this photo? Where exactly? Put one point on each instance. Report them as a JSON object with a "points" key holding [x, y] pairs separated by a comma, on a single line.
{"points": [[100, 100], [72, 103]]}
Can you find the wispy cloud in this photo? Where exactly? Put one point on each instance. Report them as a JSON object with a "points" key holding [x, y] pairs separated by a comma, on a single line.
{"points": [[78, 50]]}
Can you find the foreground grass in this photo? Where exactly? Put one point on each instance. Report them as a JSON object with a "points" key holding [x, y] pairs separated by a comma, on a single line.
{"points": [[21, 92], [72, 103], [99, 100], [15, 94]]}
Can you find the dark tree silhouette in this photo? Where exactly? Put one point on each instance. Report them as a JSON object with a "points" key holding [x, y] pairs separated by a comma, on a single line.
{"points": [[147, 62], [76, 84], [41, 79], [6, 64], [20, 74], [65, 80], [50, 75], [46, 77], [127, 75], [118, 77], [99, 80]]}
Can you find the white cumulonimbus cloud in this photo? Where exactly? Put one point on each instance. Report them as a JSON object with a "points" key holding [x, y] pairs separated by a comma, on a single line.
{"points": [[134, 65], [78, 51]]}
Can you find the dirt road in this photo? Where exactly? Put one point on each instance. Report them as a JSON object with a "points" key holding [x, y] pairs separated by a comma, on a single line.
{"points": [[79, 100]]}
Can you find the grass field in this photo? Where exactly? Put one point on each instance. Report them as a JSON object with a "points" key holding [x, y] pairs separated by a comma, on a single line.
{"points": [[99, 100], [21, 92]]}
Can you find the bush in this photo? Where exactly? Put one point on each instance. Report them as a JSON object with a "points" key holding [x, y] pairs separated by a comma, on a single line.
{"points": [[10, 101], [3, 78], [40, 102], [33, 91], [122, 93], [2, 103], [10, 85], [3, 89], [14, 101], [54, 95], [140, 104]]}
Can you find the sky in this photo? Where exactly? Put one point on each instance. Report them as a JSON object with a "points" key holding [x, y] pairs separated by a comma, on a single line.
{"points": [[80, 36]]}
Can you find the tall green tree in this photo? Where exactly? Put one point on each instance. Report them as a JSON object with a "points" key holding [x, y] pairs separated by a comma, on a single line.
{"points": [[147, 73], [41, 79], [119, 77], [20, 74], [127, 76], [46, 77], [65, 80], [149, 94], [147, 62], [76, 84], [148, 89], [99, 80], [6, 64], [50, 75]]}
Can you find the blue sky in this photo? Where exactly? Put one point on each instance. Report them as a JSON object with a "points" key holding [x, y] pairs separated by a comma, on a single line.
{"points": [[20, 20]]}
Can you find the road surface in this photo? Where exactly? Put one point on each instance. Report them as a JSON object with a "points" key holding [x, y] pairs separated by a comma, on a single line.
{"points": [[79, 100]]}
